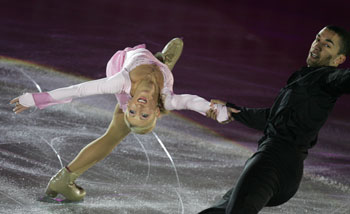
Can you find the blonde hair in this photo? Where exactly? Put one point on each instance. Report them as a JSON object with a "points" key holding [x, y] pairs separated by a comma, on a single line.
{"points": [[141, 129], [161, 99]]}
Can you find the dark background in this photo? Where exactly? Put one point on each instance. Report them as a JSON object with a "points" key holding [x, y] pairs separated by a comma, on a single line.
{"points": [[241, 51]]}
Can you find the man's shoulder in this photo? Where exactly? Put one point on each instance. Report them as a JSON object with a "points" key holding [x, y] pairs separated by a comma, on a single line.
{"points": [[321, 70]]}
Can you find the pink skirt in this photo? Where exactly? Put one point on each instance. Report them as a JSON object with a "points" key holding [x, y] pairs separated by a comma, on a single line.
{"points": [[115, 64]]}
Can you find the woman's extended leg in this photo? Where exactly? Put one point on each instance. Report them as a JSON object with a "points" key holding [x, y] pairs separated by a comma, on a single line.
{"points": [[98, 149], [63, 181], [171, 52]]}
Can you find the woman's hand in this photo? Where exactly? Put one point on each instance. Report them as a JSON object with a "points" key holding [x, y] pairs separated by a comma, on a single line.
{"points": [[212, 113], [18, 107], [213, 101]]}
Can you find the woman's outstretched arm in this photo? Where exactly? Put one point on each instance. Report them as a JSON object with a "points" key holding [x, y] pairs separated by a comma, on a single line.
{"points": [[115, 84], [194, 103]]}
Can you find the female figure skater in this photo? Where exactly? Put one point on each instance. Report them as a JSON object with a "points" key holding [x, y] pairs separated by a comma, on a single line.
{"points": [[144, 89]]}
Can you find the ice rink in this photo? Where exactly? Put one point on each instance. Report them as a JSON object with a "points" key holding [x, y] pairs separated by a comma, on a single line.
{"points": [[138, 177], [238, 51]]}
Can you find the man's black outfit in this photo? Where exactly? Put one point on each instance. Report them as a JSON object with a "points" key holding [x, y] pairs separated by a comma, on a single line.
{"points": [[273, 174]]}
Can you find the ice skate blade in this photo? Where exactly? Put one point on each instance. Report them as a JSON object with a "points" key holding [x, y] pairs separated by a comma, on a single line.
{"points": [[48, 199]]}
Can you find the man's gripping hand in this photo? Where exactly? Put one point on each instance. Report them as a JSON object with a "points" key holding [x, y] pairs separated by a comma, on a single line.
{"points": [[213, 111]]}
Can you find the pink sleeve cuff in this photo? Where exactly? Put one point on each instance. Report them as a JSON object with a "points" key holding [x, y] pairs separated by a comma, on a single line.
{"points": [[43, 100]]}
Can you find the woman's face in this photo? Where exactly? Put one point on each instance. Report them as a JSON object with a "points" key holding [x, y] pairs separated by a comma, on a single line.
{"points": [[142, 109]]}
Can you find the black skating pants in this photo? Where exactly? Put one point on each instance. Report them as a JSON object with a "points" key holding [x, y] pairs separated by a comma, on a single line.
{"points": [[270, 178]]}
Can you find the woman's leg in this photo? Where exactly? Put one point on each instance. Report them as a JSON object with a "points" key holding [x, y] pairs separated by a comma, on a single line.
{"points": [[171, 52], [100, 148], [64, 181]]}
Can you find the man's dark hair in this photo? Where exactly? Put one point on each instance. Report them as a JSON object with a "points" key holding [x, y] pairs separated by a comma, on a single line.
{"points": [[344, 39]]}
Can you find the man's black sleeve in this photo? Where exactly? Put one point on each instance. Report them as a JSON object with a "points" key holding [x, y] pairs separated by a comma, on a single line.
{"points": [[338, 82], [255, 118]]}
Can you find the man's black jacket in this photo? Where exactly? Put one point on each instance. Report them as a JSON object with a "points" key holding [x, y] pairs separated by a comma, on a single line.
{"points": [[301, 108]]}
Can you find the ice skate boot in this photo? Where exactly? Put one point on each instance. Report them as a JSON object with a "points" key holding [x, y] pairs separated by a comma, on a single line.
{"points": [[171, 52], [63, 183]]}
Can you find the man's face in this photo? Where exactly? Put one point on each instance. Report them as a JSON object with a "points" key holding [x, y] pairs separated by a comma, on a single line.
{"points": [[324, 50]]}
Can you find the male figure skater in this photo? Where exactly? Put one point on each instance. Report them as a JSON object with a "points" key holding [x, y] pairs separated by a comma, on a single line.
{"points": [[273, 174]]}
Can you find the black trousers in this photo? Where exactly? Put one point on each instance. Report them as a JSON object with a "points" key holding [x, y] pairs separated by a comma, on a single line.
{"points": [[270, 178]]}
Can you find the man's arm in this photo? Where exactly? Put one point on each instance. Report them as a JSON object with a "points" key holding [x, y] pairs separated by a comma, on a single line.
{"points": [[255, 118]]}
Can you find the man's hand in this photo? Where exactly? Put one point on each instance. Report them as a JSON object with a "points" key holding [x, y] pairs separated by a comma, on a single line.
{"points": [[18, 107], [213, 113]]}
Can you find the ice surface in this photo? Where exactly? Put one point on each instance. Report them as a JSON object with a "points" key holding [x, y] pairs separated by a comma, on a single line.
{"points": [[137, 177]]}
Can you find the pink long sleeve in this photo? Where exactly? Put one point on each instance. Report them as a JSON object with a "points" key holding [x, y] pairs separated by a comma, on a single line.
{"points": [[115, 84], [194, 103], [187, 101]]}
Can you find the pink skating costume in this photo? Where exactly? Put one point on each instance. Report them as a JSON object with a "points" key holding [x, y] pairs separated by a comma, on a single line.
{"points": [[118, 82]]}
